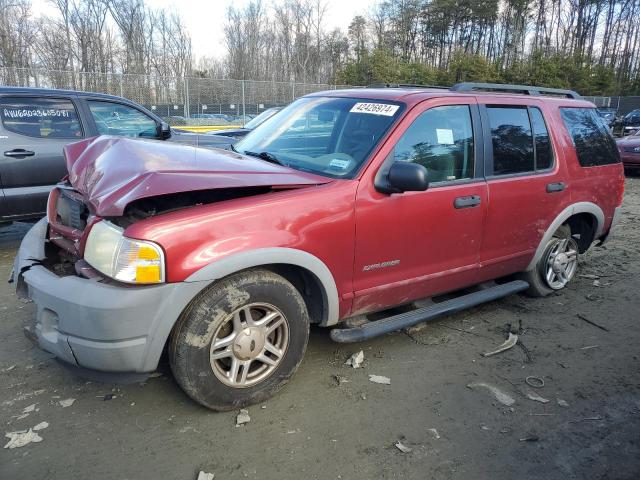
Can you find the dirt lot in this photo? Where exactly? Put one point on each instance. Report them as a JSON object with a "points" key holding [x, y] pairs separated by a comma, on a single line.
{"points": [[331, 422]]}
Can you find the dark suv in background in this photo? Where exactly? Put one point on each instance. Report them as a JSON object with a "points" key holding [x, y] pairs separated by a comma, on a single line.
{"points": [[35, 125]]}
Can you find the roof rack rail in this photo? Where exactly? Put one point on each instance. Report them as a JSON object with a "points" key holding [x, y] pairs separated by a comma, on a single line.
{"points": [[404, 85], [524, 89]]}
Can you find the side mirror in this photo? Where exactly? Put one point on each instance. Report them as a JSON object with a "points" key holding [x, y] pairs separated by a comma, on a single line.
{"points": [[164, 130], [404, 177]]}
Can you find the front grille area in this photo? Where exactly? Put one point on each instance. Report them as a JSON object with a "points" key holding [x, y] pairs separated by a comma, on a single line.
{"points": [[70, 210]]}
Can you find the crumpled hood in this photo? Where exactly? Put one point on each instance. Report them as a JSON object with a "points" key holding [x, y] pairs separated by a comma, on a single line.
{"points": [[111, 172]]}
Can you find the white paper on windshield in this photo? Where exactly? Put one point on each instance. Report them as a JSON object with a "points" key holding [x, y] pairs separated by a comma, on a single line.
{"points": [[445, 136], [375, 109], [339, 163]]}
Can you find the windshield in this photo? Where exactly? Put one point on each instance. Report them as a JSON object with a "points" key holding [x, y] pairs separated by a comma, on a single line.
{"points": [[254, 122], [324, 135]]}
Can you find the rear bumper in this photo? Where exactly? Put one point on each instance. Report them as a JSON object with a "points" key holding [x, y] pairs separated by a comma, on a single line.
{"points": [[105, 327]]}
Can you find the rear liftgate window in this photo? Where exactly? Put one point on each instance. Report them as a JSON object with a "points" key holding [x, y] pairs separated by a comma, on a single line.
{"points": [[40, 117], [520, 139], [592, 139]]}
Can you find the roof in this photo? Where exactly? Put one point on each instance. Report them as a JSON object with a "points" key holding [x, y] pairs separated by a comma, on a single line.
{"points": [[413, 95], [54, 91]]}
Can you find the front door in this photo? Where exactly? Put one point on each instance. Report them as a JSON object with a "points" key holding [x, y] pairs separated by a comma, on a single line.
{"points": [[416, 244], [33, 132]]}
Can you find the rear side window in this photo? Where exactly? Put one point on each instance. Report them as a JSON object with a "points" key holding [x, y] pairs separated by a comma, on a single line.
{"points": [[40, 117], [594, 144], [512, 140], [544, 153], [521, 142]]}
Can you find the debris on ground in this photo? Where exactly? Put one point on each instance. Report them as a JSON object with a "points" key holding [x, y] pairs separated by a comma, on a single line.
{"points": [[562, 403], [530, 438], [589, 347], [66, 402], [506, 345], [41, 426], [339, 379], [205, 476], [535, 382], [436, 435], [21, 438], [30, 408], [402, 447], [242, 418], [596, 283], [536, 398], [108, 396], [155, 375], [591, 322], [589, 276], [355, 360], [501, 396], [8, 369], [380, 379]]}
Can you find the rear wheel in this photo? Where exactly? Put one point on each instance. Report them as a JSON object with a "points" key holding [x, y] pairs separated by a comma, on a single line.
{"points": [[557, 265], [240, 340]]}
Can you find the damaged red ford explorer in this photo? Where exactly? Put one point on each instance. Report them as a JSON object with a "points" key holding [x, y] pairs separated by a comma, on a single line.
{"points": [[343, 204]]}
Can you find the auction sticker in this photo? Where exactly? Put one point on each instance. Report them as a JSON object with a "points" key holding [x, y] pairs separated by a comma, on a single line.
{"points": [[375, 109]]}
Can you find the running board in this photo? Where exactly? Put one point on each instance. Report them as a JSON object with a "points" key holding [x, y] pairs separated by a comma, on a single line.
{"points": [[426, 314]]}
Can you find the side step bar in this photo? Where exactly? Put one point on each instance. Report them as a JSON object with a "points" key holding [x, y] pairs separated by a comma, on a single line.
{"points": [[432, 312]]}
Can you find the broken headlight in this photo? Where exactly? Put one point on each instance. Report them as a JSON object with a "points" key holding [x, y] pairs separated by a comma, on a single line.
{"points": [[121, 258]]}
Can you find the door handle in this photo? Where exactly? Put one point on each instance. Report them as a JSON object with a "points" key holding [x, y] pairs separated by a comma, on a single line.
{"points": [[556, 187], [19, 153], [466, 202]]}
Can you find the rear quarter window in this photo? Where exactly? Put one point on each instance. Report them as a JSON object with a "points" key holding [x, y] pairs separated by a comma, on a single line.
{"points": [[40, 117], [593, 142]]}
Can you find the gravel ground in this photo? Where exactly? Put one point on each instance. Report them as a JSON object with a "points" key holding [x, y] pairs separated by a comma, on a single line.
{"points": [[331, 422]]}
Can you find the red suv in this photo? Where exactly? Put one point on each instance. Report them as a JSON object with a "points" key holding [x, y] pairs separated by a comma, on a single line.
{"points": [[342, 204]]}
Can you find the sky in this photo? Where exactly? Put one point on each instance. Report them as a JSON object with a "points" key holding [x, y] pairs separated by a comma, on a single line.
{"points": [[205, 19]]}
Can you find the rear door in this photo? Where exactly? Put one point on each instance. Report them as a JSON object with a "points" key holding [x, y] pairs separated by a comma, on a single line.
{"points": [[527, 181], [33, 131]]}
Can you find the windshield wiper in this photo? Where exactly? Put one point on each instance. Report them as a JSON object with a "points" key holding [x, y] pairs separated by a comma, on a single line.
{"points": [[269, 157]]}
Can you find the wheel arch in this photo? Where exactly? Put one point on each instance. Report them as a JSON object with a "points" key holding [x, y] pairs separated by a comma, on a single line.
{"points": [[575, 215], [305, 271]]}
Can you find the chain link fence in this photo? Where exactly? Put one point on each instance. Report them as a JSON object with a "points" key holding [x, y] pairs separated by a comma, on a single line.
{"points": [[179, 100]]}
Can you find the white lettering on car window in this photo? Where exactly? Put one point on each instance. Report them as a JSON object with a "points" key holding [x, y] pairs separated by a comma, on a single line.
{"points": [[375, 109], [35, 112]]}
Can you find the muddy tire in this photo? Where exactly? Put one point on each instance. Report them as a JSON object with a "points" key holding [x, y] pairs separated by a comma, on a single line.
{"points": [[557, 265], [240, 340]]}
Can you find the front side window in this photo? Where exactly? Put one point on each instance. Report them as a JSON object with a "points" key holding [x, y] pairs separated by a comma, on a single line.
{"points": [[512, 140], [40, 117], [591, 138], [122, 120], [440, 139], [325, 135]]}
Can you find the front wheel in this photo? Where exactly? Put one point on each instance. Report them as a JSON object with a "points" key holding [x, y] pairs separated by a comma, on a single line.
{"points": [[240, 340], [557, 265]]}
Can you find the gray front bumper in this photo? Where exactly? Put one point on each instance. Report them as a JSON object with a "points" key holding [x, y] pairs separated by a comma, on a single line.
{"points": [[110, 328]]}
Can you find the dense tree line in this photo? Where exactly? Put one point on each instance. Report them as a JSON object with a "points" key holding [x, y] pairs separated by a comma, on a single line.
{"points": [[592, 46], [589, 45]]}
